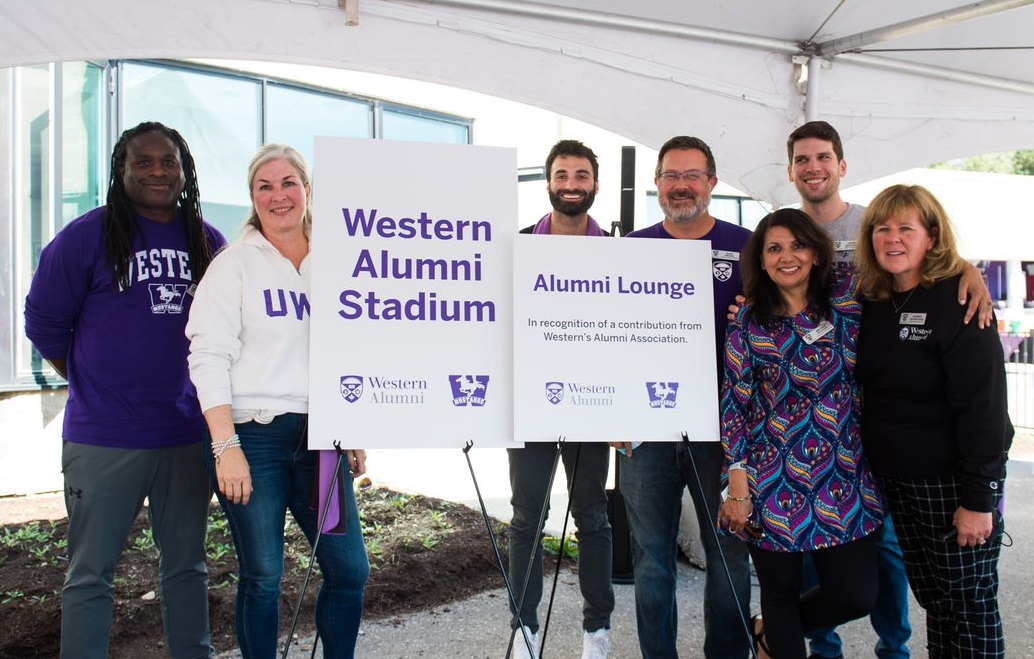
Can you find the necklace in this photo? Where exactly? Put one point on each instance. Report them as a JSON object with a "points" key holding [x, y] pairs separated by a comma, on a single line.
{"points": [[899, 307]]}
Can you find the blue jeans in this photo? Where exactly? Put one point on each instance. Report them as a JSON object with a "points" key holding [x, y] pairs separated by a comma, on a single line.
{"points": [[652, 481], [283, 472], [889, 617], [529, 480]]}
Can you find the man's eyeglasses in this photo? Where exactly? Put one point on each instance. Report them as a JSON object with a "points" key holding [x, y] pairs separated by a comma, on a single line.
{"points": [[691, 175]]}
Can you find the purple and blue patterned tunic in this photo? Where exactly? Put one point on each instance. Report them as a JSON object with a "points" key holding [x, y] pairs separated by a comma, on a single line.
{"points": [[790, 412]]}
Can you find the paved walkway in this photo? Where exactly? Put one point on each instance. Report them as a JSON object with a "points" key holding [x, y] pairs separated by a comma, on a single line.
{"points": [[477, 627]]}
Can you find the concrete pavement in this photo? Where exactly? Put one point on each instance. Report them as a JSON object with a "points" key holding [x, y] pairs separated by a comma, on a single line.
{"points": [[478, 627]]}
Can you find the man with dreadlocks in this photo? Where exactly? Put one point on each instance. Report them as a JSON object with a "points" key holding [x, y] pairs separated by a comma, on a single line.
{"points": [[107, 308]]}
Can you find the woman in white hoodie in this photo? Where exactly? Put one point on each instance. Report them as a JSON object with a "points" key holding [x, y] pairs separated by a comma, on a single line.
{"points": [[249, 357]]}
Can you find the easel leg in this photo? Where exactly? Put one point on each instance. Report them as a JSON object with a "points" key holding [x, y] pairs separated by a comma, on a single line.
{"points": [[713, 527], [563, 539], [516, 603], [338, 470]]}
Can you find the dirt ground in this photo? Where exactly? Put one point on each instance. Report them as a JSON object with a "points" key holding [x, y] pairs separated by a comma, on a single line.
{"points": [[423, 552]]}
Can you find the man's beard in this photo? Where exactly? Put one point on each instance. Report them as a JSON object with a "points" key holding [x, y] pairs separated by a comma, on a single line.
{"points": [[685, 214], [572, 208]]}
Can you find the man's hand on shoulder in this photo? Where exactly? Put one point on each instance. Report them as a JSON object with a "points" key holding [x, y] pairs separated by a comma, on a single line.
{"points": [[973, 288]]}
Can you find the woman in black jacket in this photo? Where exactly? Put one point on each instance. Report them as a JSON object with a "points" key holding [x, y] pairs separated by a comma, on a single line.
{"points": [[934, 421]]}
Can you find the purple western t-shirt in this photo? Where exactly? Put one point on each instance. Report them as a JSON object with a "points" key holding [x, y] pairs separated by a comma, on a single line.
{"points": [[128, 384], [727, 241]]}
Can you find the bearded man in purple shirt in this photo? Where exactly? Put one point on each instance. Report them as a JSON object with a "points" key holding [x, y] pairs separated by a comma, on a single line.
{"points": [[107, 308]]}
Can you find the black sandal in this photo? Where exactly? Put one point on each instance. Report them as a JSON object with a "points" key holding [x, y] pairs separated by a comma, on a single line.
{"points": [[758, 636]]}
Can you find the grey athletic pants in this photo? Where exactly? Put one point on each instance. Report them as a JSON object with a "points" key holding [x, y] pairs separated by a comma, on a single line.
{"points": [[104, 491]]}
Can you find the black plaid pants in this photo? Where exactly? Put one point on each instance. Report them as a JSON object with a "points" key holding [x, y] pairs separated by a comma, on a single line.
{"points": [[957, 586]]}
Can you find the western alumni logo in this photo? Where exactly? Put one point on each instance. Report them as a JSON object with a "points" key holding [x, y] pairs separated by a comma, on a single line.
{"points": [[554, 392], [722, 270], [914, 333], [352, 388], [662, 394], [469, 390], [167, 298], [581, 394]]}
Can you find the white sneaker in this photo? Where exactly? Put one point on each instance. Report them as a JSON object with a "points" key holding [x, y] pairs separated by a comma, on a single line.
{"points": [[596, 645], [520, 648]]}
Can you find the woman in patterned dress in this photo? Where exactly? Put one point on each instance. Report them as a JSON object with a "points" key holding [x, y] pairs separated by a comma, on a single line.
{"points": [[798, 482]]}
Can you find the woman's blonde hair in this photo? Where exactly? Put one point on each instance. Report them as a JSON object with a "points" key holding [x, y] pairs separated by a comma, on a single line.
{"points": [[267, 154], [941, 262]]}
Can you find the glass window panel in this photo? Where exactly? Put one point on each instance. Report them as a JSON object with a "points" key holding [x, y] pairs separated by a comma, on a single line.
{"points": [[654, 214], [83, 161], [410, 127], [753, 212], [295, 117], [725, 208], [32, 194], [79, 172], [34, 134], [218, 116]]}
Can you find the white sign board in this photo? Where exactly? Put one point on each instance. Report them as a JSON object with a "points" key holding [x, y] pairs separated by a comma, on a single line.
{"points": [[411, 332], [613, 340]]}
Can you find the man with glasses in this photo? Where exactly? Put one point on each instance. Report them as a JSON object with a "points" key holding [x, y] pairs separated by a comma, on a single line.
{"points": [[653, 475], [572, 182]]}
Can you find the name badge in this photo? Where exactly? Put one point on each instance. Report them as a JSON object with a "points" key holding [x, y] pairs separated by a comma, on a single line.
{"points": [[912, 319], [727, 256], [824, 328], [844, 245]]}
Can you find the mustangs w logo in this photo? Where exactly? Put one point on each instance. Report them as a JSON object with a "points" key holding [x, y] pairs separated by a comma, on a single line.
{"points": [[662, 394], [167, 298], [469, 390]]}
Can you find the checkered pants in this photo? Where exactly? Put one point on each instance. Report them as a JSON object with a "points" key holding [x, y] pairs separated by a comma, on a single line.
{"points": [[957, 586]]}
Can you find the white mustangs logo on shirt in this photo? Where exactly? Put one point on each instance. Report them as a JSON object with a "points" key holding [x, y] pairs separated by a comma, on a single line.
{"points": [[167, 298]]}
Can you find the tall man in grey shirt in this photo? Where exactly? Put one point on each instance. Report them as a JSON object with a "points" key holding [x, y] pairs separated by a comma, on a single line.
{"points": [[816, 166]]}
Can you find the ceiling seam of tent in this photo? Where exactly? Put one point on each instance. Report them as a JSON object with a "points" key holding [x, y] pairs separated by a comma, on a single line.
{"points": [[827, 20], [938, 20], [939, 73], [623, 22], [618, 21]]}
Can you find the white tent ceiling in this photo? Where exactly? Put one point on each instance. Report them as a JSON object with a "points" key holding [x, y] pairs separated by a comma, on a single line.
{"points": [[907, 83]]}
